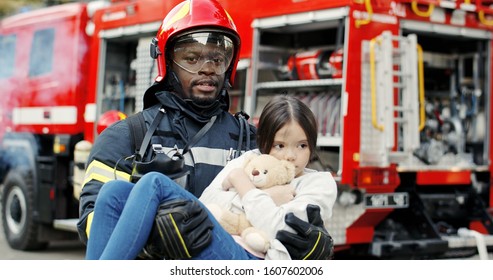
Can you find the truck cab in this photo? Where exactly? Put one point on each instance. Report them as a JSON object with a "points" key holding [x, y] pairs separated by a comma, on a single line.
{"points": [[44, 56]]}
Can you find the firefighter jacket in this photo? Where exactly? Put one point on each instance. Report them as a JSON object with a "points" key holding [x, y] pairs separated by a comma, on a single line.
{"points": [[109, 157]]}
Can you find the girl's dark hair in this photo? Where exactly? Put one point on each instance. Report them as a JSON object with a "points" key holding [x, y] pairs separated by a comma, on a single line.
{"points": [[279, 111]]}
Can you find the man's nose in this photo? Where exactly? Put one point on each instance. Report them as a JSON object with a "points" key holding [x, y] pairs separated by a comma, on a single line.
{"points": [[208, 67]]}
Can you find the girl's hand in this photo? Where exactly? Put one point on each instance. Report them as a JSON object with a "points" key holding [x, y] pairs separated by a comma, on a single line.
{"points": [[238, 179], [227, 184], [233, 178], [281, 194]]}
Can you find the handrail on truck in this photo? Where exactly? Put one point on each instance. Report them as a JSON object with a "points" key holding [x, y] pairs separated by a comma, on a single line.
{"points": [[369, 10], [417, 11], [373, 86]]}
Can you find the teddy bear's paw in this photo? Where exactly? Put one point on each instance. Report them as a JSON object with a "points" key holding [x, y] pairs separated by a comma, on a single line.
{"points": [[255, 239], [216, 211]]}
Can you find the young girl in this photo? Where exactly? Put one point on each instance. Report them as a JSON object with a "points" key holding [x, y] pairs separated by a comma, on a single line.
{"points": [[287, 130]]}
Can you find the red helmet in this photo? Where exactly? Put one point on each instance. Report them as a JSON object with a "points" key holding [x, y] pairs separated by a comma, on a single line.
{"points": [[189, 17], [108, 119]]}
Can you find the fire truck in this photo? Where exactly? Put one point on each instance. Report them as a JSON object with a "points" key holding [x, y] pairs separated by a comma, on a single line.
{"points": [[401, 91]]}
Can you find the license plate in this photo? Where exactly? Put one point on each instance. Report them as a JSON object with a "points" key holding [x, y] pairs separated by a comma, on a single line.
{"points": [[386, 200]]}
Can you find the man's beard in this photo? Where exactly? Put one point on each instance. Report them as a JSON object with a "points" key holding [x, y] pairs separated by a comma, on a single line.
{"points": [[203, 102]]}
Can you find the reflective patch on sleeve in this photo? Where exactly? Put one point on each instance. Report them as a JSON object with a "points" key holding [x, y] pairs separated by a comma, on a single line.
{"points": [[103, 173], [89, 223]]}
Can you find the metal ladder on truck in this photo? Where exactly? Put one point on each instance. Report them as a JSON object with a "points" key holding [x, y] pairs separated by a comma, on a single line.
{"points": [[392, 99], [393, 114]]}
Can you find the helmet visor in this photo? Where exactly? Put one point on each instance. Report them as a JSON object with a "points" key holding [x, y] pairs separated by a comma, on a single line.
{"points": [[205, 51]]}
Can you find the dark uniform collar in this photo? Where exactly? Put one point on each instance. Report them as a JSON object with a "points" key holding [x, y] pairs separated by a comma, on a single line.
{"points": [[190, 109]]}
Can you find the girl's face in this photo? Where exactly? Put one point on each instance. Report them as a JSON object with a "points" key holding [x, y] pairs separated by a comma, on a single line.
{"points": [[291, 144]]}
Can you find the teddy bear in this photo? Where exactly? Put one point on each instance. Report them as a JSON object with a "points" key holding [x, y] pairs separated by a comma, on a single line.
{"points": [[264, 171]]}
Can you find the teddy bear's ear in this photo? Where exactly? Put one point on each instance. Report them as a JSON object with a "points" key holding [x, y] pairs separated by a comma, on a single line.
{"points": [[249, 158], [290, 169]]}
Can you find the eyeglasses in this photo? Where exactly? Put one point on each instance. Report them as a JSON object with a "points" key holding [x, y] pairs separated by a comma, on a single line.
{"points": [[205, 51]]}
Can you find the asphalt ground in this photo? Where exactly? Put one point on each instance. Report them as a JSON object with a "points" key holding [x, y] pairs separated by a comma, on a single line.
{"points": [[58, 250]]}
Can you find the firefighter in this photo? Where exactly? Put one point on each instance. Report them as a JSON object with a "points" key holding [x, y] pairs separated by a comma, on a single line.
{"points": [[186, 111]]}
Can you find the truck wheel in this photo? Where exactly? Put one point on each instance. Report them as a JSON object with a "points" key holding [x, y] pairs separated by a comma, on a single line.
{"points": [[17, 212]]}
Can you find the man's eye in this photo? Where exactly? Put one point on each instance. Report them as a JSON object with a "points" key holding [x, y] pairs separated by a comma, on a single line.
{"points": [[191, 60], [218, 60]]}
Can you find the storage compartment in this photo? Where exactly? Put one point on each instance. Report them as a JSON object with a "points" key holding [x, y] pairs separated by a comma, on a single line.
{"points": [[304, 60], [119, 91], [456, 94]]}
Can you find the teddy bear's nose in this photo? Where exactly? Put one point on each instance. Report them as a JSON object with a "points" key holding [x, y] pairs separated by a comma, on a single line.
{"points": [[255, 172]]}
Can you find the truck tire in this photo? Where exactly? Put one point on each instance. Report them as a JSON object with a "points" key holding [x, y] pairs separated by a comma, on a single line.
{"points": [[20, 229]]}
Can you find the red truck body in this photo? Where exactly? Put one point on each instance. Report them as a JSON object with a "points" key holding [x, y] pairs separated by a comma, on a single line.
{"points": [[401, 90]]}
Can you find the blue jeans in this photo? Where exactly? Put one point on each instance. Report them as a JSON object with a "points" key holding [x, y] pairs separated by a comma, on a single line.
{"points": [[124, 214]]}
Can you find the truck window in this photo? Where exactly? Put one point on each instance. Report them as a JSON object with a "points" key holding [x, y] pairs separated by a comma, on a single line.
{"points": [[41, 61], [7, 55]]}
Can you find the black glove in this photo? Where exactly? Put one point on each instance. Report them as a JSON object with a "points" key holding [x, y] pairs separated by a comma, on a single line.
{"points": [[312, 241], [181, 230]]}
